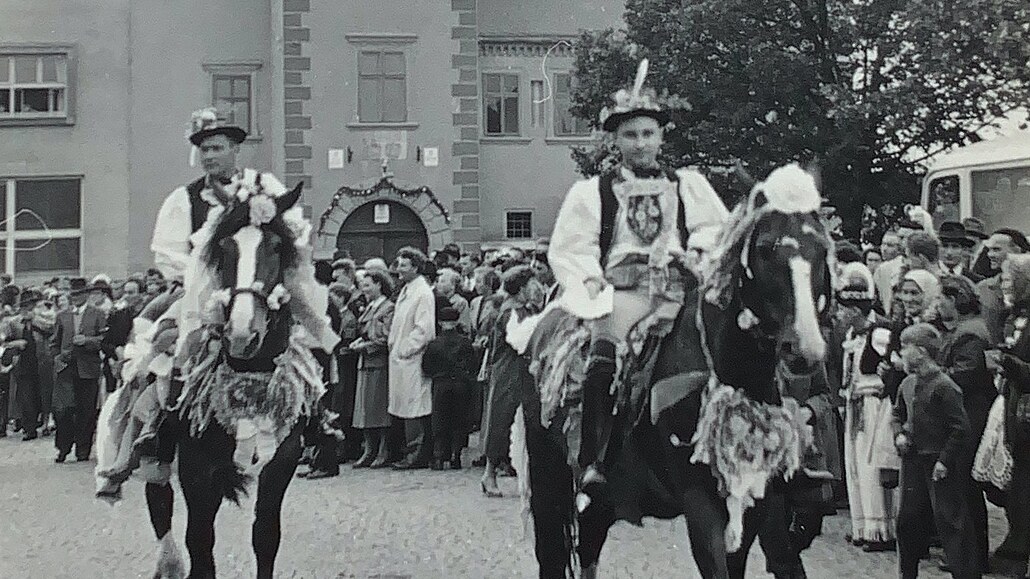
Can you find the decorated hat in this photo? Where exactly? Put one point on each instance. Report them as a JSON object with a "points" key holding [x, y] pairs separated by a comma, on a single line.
{"points": [[632, 103], [204, 124], [448, 315], [955, 232], [855, 285], [975, 227], [100, 286]]}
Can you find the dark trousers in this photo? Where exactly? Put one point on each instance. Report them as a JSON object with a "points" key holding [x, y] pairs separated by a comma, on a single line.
{"points": [[943, 501], [450, 417], [418, 434], [75, 425], [30, 402], [787, 529], [5, 402]]}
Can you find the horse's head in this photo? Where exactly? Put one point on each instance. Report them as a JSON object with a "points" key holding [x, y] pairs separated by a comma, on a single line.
{"points": [[249, 252], [783, 273]]}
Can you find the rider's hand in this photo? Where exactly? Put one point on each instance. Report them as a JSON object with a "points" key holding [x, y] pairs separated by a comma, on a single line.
{"points": [[902, 443], [940, 472], [593, 287]]}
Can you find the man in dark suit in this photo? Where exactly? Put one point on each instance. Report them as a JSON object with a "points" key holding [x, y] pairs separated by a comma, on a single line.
{"points": [[78, 338]]}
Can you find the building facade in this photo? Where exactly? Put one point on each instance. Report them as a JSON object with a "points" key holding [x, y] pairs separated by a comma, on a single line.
{"points": [[408, 122]]}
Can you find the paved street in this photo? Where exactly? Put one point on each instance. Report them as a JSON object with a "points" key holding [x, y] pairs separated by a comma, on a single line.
{"points": [[361, 524]]}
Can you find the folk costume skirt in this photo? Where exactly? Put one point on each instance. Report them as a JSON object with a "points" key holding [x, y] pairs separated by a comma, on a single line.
{"points": [[868, 447]]}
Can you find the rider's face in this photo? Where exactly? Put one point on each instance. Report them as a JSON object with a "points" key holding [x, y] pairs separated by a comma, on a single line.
{"points": [[218, 154], [639, 140]]}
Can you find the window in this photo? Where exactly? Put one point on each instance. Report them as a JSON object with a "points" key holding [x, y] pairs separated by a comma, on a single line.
{"points": [[519, 225], [233, 94], [565, 124], [42, 229], [232, 97], [33, 85], [944, 199], [1001, 197], [501, 104], [382, 87]]}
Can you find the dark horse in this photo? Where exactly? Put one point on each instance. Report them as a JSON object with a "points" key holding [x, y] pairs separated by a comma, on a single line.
{"points": [[767, 287], [247, 263]]}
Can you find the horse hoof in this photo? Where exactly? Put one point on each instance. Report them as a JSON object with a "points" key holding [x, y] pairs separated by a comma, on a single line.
{"points": [[169, 564], [589, 572]]}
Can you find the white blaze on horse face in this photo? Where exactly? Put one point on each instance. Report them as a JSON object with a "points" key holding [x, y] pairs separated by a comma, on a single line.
{"points": [[247, 241], [806, 325]]}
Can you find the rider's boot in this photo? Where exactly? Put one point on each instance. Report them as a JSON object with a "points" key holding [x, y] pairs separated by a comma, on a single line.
{"points": [[598, 402]]}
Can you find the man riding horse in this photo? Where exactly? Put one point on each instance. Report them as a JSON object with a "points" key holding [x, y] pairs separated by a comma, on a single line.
{"points": [[618, 240], [143, 424]]}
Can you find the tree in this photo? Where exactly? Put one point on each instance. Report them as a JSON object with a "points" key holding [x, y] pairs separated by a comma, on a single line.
{"points": [[868, 89]]}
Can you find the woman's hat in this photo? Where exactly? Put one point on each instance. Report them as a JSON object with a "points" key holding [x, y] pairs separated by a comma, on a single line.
{"points": [[975, 228], [78, 285], [29, 298], [632, 103], [101, 286]]}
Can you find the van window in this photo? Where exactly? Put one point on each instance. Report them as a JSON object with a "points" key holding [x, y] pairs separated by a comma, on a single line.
{"points": [[1001, 197], [944, 197]]}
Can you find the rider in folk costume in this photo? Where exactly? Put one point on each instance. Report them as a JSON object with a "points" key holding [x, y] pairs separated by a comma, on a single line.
{"points": [[616, 241], [142, 423]]}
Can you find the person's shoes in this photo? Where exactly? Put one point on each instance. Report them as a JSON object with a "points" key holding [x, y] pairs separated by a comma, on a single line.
{"points": [[303, 473], [853, 541], [80, 458], [879, 546], [61, 457], [437, 464], [492, 491], [379, 463], [29, 436], [410, 465], [363, 462], [456, 463], [479, 462], [508, 470], [317, 474]]}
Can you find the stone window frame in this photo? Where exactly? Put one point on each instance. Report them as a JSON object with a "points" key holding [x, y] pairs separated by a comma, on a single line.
{"points": [[384, 42], [248, 68], [520, 103], [10, 235], [39, 49]]}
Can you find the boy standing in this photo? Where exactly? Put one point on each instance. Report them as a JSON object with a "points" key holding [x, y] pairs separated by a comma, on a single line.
{"points": [[930, 432], [450, 361]]}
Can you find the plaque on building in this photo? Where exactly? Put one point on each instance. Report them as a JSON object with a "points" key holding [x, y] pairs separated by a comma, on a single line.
{"points": [[386, 145]]}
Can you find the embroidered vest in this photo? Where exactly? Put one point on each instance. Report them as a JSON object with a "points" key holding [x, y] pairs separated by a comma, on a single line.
{"points": [[610, 208], [198, 207]]}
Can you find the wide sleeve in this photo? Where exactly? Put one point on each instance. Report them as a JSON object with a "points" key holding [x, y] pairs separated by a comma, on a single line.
{"points": [[702, 206], [575, 251], [423, 328], [171, 240]]}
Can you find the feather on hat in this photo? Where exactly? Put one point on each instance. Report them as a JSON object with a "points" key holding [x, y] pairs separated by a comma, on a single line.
{"points": [[637, 102]]}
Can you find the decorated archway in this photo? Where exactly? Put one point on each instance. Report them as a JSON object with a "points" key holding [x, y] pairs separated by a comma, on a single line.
{"points": [[379, 229], [419, 216]]}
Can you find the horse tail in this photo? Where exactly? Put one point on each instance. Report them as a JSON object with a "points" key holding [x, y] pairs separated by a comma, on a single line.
{"points": [[230, 481]]}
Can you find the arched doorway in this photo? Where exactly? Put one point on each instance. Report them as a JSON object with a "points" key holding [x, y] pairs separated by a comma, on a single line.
{"points": [[379, 229]]}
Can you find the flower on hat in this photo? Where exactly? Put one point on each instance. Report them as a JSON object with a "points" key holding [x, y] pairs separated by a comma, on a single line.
{"points": [[262, 209], [206, 118]]}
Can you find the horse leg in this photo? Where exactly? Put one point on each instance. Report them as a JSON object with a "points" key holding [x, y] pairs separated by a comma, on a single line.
{"points": [[273, 481], [707, 518], [199, 461], [160, 498]]}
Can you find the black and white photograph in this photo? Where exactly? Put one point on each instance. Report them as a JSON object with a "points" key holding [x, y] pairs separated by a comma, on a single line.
{"points": [[556, 289]]}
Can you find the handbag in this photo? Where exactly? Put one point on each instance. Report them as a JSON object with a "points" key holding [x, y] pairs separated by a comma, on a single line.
{"points": [[993, 461]]}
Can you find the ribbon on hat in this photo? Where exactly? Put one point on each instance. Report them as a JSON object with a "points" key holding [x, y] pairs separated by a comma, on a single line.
{"points": [[635, 99]]}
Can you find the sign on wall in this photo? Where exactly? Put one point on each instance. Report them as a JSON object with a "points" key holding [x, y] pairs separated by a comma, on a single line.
{"points": [[385, 144], [431, 156], [336, 158], [382, 213]]}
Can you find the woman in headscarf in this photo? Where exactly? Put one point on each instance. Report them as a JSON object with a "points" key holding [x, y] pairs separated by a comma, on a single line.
{"points": [[868, 443], [916, 295], [1012, 362]]}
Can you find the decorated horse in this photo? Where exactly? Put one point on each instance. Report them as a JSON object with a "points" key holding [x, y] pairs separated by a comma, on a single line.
{"points": [[249, 380], [699, 426]]}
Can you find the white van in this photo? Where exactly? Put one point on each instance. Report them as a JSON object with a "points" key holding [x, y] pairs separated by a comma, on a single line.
{"points": [[989, 180]]}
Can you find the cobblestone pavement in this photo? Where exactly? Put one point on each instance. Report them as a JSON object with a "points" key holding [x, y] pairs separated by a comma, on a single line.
{"points": [[362, 524]]}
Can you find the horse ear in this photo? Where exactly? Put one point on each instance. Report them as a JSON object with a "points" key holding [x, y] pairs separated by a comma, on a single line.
{"points": [[758, 199], [288, 200]]}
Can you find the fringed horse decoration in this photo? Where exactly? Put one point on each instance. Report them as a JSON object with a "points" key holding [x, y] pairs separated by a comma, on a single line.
{"points": [[250, 378], [699, 427]]}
